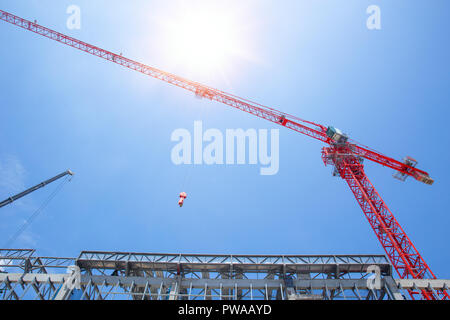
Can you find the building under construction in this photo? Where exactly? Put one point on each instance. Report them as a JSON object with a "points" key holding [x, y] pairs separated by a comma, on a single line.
{"points": [[95, 275], [154, 276]]}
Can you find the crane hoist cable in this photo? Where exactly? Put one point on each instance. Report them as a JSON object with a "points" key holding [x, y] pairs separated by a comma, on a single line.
{"points": [[185, 183], [37, 212]]}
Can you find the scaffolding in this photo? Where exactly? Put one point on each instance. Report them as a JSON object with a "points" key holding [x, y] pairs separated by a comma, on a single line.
{"points": [[97, 275]]}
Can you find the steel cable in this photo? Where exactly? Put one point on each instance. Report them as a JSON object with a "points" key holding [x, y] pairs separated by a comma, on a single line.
{"points": [[36, 213]]}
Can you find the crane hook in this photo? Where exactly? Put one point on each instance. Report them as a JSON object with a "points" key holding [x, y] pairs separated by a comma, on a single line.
{"points": [[183, 196]]}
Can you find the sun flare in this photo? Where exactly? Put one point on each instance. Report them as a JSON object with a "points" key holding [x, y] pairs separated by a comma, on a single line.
{"points": [[202, 40], [205, 38]]}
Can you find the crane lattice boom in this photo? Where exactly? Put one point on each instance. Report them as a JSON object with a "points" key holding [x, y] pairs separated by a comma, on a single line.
{"points": [[34, 188]]}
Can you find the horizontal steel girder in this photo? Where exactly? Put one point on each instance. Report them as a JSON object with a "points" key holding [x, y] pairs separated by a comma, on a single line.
{"points": [[221, 283], [244, 263]]}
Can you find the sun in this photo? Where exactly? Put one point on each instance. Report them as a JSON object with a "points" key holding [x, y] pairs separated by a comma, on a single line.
{"points": [[203, 37], [203, 40]]}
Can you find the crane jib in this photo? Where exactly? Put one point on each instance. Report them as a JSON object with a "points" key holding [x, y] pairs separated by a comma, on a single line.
{"points": [[317, 131]]}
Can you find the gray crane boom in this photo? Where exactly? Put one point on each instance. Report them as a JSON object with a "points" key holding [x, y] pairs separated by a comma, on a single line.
{"points": [[38, 186]]}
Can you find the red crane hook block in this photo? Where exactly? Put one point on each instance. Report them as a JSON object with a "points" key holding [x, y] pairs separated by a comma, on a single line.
{"points": [[183, 196]]}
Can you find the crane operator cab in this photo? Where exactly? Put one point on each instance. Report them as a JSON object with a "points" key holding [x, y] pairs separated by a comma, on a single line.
{"points": [[183, 196], [336, 135]]}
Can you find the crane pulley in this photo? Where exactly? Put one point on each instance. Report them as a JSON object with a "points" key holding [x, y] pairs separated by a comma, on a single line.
{"points": [[345, 155]]}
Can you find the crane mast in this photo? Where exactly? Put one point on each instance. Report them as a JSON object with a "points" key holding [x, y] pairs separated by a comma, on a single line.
{"points": [[34, 188], [345, 156]]}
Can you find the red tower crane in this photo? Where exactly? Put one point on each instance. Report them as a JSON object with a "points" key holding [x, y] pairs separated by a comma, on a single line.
{"points": [[345, 155]]}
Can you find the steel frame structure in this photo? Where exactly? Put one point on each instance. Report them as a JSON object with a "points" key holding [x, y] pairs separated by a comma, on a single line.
{"points": [[156, 276], [346, 157]]}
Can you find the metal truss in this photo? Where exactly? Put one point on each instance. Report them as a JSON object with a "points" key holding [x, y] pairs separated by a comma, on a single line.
{"points": [[403, 255], [154, 276]]}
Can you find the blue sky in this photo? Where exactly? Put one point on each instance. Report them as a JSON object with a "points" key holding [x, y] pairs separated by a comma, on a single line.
{"points": [[62, 108]]}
